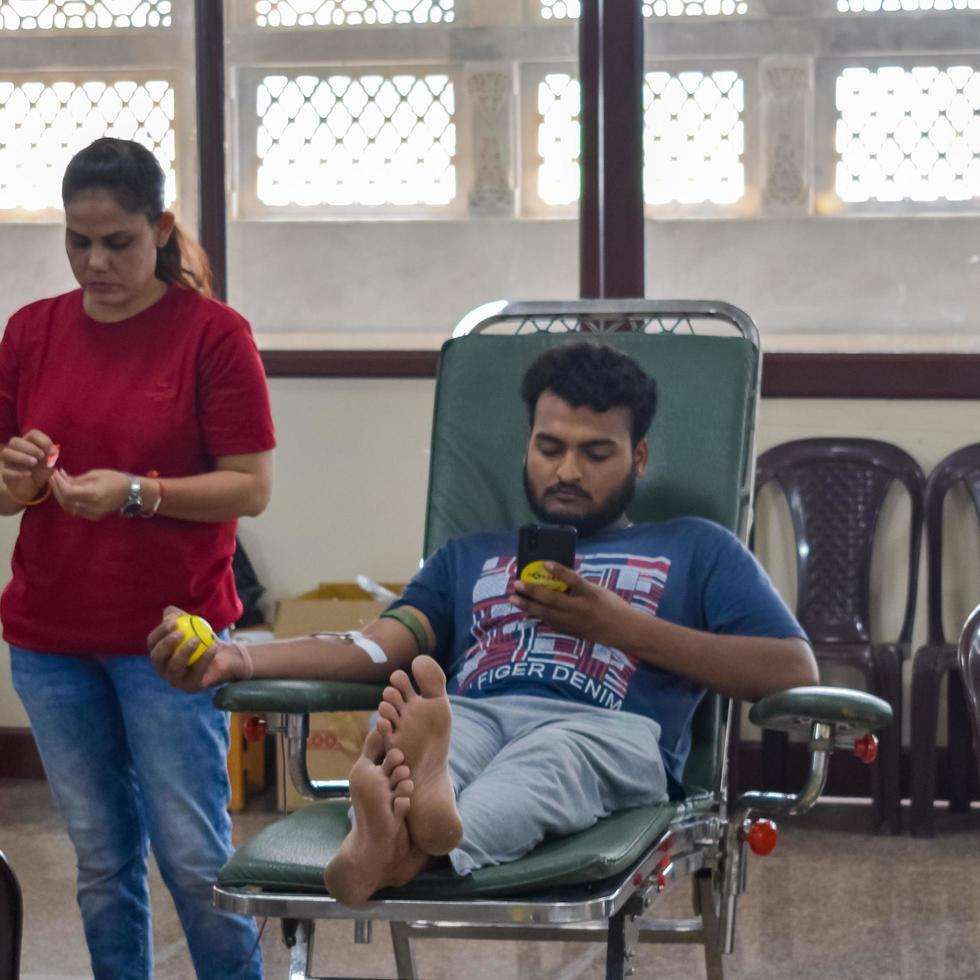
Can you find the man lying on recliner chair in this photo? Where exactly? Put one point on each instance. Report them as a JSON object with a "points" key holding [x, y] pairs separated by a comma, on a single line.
{"points": [[562, 707]]}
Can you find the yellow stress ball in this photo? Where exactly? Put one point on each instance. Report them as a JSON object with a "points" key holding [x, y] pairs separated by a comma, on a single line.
{"points": [[196, 628], [534, 573]]}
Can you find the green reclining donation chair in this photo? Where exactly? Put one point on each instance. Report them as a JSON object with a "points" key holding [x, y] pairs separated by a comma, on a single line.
{"points": [[604, 882]]}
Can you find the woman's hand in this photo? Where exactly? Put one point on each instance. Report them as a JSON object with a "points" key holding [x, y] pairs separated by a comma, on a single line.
{"points": [[91, 495], [23, 464], [169, 650]]}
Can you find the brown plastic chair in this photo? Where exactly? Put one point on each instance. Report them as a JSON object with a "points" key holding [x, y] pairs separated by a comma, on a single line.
{"points": [[11, 921], [937, 658], [835, 489], [969, 664]]}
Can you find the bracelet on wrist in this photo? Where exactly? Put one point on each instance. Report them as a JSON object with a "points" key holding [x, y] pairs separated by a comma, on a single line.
{"points": [[248, 665], [147, 514], [31, 503]]}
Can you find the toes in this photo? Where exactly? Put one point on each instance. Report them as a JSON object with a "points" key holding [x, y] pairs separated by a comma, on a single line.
{"points": [[398, 775], [429, 677], [393, 697], [389, 713], [393, 759], [374, 746], [400, 681], [384, 728], [404, 789], [400, 807]]}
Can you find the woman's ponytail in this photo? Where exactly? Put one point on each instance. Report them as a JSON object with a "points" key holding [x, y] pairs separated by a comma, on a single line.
{"points": [[183, 262]]}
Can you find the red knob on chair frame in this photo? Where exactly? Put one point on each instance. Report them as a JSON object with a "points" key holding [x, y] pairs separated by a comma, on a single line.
{"points": [[762, 836], [866, 748], [254, 728]]}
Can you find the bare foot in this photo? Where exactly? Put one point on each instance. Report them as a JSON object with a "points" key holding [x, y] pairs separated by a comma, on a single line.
{"points": [[378, 851], [418, 726]]}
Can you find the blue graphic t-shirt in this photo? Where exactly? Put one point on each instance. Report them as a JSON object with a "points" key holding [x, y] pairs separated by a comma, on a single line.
{"points": [[687, 571]]}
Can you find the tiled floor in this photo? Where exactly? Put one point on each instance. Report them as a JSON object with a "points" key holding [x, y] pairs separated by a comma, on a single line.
{"points": [[831, 903]]}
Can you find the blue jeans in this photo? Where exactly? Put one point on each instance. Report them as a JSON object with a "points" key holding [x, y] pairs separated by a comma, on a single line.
{"points": [[132, 761]]}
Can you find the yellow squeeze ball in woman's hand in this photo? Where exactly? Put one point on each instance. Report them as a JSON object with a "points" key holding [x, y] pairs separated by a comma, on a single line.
{"points": [[196, 628]]}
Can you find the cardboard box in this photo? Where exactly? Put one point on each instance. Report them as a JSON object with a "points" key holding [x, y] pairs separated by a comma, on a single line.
{"points": [[246, 760], [335, 738]]}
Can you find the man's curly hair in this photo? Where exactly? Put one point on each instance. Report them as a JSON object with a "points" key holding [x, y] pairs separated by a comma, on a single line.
{"points": [[594, 375]]}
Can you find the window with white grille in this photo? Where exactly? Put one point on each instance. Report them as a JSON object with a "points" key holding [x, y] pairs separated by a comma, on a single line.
{"points": [[356, 139], [570, 9], [693, 138], [43, 125], [908, 134], [47, 114], [887, 6], [559, 139], [27, 15], [342, 13]]}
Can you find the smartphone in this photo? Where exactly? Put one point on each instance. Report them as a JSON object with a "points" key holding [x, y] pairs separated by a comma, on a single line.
{"points": [[538, 543]]}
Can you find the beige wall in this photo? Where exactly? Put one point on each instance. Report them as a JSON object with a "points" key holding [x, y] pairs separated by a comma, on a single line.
{"points": [[352, 467]]}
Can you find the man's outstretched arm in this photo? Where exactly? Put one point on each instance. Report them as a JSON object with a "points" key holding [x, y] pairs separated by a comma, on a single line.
{"points": [[746, 667], [302, 658]]}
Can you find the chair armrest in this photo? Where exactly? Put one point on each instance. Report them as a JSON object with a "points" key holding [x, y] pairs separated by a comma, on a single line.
{"points": [[798, 708], [298, 697], [295, 701], [829, 716]]}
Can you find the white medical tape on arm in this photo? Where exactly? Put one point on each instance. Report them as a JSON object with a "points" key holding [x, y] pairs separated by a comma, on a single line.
{"points": [[372, 649]]}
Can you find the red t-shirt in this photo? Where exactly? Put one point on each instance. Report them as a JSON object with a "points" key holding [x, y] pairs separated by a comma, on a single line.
{"points": [[169, 390]]}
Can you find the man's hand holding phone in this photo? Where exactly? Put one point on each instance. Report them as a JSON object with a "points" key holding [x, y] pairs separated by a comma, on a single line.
{"points": [[564, 601], [538, 544]]}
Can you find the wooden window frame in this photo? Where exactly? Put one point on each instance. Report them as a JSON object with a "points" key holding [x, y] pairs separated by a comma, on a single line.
{"points": [[785, 375]]}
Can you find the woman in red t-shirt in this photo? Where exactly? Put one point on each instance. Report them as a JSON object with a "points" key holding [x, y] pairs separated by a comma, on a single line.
{"points": [[135, 420]]}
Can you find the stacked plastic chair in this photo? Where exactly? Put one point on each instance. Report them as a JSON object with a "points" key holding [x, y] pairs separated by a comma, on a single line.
{"points": [[835, 489]]}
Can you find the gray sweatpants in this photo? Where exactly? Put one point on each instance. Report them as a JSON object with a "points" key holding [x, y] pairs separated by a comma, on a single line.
{"points": [[527, 767]]}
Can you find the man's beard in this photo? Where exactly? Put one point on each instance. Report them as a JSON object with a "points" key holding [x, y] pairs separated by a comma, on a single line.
{"points": [[590, 522]]}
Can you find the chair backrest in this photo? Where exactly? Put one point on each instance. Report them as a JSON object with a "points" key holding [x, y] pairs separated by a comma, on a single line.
{"points": [[835, 489], [959, 467], [11, 921], [969, 660], [701, 439]]}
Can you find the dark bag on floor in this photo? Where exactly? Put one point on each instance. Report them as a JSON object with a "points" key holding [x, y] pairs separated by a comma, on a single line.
{"points": [[250, 590]]}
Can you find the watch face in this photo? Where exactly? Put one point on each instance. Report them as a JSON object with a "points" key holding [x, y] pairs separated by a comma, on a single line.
{"points": [[134, 501]]}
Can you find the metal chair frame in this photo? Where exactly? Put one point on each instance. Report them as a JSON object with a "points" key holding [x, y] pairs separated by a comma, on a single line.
{"points": [[968, 657], [937, 658], [11, 921]]}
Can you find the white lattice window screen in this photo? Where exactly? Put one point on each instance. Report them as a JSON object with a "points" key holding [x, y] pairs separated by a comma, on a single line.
{"points": [[908, 134], [559, 139], [570, 9], [356, 140], [43, 125], [27, 15], [340, 13], [693, 138], [886, 6]]}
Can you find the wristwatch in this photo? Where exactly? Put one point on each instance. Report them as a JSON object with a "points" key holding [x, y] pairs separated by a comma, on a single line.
{"points": [[133, 504]]}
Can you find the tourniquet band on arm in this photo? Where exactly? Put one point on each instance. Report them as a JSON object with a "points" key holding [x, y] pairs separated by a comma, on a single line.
{"points": [[412, 623]]}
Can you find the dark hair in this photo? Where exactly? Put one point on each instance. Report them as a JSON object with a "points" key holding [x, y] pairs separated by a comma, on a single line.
{"points": [[594, 375], [135, 179]]}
